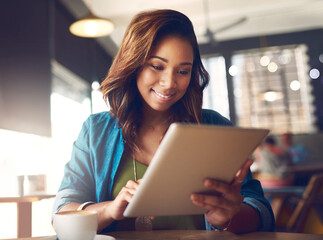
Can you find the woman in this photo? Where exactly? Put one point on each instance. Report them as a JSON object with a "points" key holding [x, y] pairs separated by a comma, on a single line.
{"points": [[157, 78]]}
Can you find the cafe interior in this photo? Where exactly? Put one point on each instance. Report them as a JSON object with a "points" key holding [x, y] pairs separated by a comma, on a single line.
{"points": [[265, 60]]}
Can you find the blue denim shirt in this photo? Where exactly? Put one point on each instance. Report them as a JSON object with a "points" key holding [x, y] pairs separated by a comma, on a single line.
{"points": [[96, 155]]}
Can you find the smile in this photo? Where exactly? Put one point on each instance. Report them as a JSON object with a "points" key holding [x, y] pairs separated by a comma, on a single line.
{"points": [[162, 95]]}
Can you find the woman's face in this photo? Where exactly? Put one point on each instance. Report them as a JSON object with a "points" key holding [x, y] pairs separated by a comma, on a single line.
{"points": [[164, 79]]}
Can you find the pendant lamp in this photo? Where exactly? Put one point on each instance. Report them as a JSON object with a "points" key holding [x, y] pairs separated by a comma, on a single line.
{"points": [[270, 95], [92, 27]]}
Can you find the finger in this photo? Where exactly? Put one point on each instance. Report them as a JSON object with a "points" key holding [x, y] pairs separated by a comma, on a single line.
{"points": [[210, 202], [126, 194], [132, 191], [132, 184], [127, 197], [196, 200], [205, 206], [227, 191], [242, 173], [219, 202], [218, 186], [219, 211], [119, 205]]}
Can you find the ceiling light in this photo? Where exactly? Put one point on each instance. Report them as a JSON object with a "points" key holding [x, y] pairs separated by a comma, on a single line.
{"points": [[92, 27], [270, 96]]}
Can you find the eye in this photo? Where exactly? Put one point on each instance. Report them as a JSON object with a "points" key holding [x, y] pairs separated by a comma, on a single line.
{"points": [[156, 67], [183, 72]]}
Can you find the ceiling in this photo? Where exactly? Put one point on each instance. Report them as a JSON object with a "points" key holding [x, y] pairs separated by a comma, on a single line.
{"points": [[261, 17]]}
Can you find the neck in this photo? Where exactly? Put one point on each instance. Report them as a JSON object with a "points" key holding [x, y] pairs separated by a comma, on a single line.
{"points": [[154, 119]]}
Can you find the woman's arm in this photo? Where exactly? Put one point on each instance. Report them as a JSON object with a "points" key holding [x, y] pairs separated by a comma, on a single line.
{"points": [[109, 211], [247, 219], [104, 218]]}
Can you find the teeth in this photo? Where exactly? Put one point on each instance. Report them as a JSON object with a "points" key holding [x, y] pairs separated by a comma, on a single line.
{"points": [[163, 96]]}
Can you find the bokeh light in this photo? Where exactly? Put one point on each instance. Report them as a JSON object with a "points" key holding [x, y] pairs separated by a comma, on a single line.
{"points": [[264, 61], [295, 85], [314, 73], [233, 70], [272, 67]]}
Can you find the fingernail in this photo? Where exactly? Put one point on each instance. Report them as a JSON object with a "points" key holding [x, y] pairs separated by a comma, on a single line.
{"points": [[207, 182], [194, 197]]}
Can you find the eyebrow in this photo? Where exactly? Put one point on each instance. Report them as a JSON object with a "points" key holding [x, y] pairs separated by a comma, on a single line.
{"points": [[166, 61]]}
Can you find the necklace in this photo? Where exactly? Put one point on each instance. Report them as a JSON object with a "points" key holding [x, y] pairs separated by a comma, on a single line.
{"points": [[142, 223], [134, 169]]}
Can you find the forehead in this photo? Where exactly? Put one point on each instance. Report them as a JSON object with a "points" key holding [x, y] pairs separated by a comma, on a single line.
{"points": [[173, 46]]}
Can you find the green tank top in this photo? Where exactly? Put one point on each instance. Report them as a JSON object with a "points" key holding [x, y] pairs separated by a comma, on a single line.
{"points": [[126, 172]]}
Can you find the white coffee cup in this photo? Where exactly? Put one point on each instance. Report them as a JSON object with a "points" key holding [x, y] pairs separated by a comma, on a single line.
{"points": [[76, 225]]}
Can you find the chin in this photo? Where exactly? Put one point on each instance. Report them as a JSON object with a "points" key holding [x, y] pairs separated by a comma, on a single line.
{"points": [[160, 109]]}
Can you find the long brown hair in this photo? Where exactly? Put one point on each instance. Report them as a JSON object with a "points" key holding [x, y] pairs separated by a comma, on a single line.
{"points": [[119, 87]]}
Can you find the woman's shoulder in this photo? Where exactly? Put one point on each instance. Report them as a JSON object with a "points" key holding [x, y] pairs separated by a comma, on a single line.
{"points": [[213, 117], [100, 126], [105, 115], [102, 120]]}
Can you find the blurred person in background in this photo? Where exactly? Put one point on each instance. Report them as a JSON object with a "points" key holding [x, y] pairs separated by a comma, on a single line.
{"points": [[298, 152], [274, 162]]}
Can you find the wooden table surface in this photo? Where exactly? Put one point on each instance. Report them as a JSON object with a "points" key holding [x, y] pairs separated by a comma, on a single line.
{"points": [[27, 198], [208, 235], [197, 235]]}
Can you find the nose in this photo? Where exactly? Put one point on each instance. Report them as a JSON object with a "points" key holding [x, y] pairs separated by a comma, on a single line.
{"points": [[168, 80]]}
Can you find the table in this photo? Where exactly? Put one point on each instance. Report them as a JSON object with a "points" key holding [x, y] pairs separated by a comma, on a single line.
{"points": [[278, 196], [201, 235], [305, 168], [24, 212]]}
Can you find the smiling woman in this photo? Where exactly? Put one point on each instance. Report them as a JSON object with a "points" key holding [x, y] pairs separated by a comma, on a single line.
{"points": [[157, 78], [137, 51]]}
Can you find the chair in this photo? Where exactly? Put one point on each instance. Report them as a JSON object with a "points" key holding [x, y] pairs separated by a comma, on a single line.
{"points": [[312, 195], [278, 199]]}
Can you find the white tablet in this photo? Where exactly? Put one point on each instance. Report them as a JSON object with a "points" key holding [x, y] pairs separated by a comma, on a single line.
{"points": [[188, 154]]}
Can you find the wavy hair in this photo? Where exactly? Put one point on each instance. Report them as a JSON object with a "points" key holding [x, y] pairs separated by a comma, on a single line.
{"points": [[120, 88]]}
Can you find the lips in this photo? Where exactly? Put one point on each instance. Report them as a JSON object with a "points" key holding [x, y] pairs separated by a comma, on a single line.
{"points": [[163, 96]]}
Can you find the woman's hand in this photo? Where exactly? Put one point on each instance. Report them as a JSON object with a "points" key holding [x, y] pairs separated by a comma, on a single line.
{"points": [[223, 206], [119, 204]]}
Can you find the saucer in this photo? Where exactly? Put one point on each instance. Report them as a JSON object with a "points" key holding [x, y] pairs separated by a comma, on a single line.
{"points": [[103, 237], [97, 237]]}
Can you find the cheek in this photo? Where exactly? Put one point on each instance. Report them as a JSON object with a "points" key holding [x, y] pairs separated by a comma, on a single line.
{"points": [[183, 85], [145, 78]]}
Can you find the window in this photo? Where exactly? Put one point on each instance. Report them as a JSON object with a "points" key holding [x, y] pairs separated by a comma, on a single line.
{"points": [[215, 96], [272, 89], [70, 102]]}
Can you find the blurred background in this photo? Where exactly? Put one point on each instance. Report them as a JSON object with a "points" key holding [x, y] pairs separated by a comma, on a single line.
{"points": [[265, 59]]}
